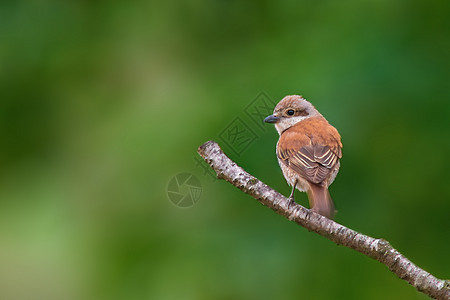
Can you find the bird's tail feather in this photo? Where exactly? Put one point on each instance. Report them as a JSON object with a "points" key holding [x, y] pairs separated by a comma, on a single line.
{"points": [[320, 200]]}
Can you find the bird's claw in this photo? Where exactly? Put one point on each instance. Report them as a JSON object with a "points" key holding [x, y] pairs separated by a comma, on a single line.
{"points": [[290, 201]]}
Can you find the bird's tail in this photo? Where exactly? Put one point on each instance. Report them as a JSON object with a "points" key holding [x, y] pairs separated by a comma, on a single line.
{"points": [[320, 200]]}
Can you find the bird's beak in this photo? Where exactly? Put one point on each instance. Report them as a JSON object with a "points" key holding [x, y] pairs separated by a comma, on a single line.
{"points": [[271, 119]]}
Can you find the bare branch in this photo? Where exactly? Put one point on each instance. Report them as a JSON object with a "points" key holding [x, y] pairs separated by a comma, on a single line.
{"points": [[378, 249]]}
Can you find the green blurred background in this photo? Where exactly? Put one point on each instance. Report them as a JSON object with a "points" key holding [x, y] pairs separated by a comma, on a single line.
{"points": [[104, 102]]}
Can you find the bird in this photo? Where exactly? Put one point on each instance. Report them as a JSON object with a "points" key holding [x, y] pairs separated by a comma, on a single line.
{"points": [[309, 150]]}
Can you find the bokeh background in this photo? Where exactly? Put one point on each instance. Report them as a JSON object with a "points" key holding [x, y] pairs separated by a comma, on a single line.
{"points": [[103, 102]]}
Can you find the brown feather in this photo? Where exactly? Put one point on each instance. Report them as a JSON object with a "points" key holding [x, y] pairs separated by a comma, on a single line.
{"points": [[312, 149], [320, 200]]}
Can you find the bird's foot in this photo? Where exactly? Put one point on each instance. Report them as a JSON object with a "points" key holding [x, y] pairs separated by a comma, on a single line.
{"points": [[291, 201], [291, 196]]}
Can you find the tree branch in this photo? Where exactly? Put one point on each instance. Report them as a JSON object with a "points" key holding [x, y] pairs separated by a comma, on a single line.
{"points": [[378, 249]]}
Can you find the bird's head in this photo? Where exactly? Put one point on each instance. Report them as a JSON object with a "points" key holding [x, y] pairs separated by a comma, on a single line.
{"points": [[291, 110]]}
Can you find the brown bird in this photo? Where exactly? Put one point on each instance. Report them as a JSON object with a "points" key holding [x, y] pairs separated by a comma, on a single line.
{"points": [[308, 151]]}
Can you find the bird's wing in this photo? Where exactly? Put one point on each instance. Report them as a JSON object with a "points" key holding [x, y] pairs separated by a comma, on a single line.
{"points": [[314, 159]]}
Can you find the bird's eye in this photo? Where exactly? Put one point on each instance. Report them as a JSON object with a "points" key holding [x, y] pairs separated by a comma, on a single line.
{"points": [[290, 112]]}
